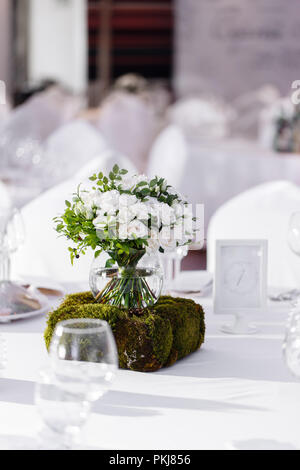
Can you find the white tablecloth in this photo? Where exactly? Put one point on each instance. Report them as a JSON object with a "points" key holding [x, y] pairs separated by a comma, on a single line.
{"points": [[235, 392]]}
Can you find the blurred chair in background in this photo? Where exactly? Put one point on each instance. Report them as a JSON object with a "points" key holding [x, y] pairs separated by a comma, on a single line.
{"points": [[23, 162], [44, 253], [154, 92], [204, 164], [71, 147], [4, 196], [131, 83], [40, 115], [169, 155], [130, 119], [193, 121], [184, 151], [262, 212], [247, 110], [129, 125], [5, 110]]}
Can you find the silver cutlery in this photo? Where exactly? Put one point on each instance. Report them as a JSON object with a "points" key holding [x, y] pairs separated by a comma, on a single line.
{"points": [[285, 296]]}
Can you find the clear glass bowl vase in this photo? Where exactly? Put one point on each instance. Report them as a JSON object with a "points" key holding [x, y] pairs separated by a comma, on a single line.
{"points": [[131, 287]]}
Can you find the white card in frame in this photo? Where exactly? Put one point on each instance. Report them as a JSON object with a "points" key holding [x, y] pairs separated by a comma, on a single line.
{"points": [[240, 286]]}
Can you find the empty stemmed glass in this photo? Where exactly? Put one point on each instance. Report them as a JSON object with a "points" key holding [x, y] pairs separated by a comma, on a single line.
{"points": [[11, 237], [5, 216], [291, 344], [293, 238], [84, 362], [63, 414], [172, 264]]}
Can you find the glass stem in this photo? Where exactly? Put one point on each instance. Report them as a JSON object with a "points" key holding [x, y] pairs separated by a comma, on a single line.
{"points": [[177, 268], [5, 267]]}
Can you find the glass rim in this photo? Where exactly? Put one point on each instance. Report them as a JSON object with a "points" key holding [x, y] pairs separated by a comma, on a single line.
{"points": [[100, 325]]}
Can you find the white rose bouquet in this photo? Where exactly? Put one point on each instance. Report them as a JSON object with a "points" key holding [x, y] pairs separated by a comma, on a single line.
{"points": [[127, 217]]}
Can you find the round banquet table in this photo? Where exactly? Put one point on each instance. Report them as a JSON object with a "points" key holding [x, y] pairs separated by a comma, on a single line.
{"points": [[234, 393]]}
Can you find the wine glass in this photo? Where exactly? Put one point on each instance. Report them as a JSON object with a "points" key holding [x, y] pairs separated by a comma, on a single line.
{"points": [[172, 265], [63, 413], [294, 233], [293, 238], [84, 356], [12, 235], [291, 344], [15, 233], [84, 361]]}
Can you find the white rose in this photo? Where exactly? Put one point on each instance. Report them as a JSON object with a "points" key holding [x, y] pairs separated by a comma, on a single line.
{"points": [[122, 231], [179, 234], [85, 210], [164, 186], [167, 214], [178, 209], [109, 202], [90, 198], [140, 211], [79, 208], [103, 221], [110, 197], [86, 197], [166, 239], [153, 242], [127, 200], [137, 229], [188, 219], [188, 211], [125, 215], [109, 209], [130, 182], [96, 199], [127, 183]]}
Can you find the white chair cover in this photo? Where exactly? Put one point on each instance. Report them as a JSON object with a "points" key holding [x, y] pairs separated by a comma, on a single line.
{"points": [[39, 116], [5, 199], [70, 147], [169, 155], [22, 158], [212, 172], [201, 117], [66, 105], [44, 253], [261, 213], [129, 124], [4, 113], [247, 109]]}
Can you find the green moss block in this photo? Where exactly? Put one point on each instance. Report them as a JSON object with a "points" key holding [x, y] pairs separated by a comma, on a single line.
{"points": [[164, 333]]}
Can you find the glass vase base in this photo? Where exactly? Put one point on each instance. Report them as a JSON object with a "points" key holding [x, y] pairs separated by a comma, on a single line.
{"points": [[133, 290]]}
